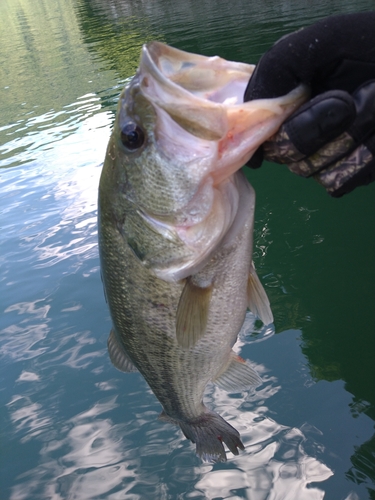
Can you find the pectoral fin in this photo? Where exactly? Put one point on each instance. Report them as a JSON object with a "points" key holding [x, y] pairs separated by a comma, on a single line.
{"points": [[238, 375], [258, 302], [118, 355], [192, 313]]}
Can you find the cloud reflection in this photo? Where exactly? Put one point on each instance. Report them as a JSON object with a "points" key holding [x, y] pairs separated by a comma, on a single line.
{"points": [[90, 456], [28, 417], [21, 341], [92, 460]]}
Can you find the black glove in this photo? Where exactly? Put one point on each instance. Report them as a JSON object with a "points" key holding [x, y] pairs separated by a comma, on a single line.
{"points": [[332, 136]]}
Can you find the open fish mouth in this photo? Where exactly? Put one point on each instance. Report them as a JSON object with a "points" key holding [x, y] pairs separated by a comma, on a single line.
{"points": [[191, 87], [204, 95]]}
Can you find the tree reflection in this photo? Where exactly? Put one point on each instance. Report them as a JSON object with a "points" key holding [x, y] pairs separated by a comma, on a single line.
{"points": [[113, 32]]}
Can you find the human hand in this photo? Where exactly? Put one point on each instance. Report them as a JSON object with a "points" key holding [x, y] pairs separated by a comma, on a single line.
{"points": [[332, 136]]}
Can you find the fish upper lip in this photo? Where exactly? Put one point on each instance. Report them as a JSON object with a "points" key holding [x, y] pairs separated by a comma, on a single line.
{"points": [[149, 65]]}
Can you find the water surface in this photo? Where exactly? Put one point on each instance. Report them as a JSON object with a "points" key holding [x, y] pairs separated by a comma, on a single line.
{"points": [[71, 426]]}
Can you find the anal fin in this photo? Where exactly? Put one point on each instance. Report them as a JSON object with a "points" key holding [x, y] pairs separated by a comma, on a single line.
{"points": [[258, 302], [192, 313], [118, 355], [238, 375]]}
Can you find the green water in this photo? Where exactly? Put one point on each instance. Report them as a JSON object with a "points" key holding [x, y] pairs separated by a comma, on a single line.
{"points": [[71, 426]]}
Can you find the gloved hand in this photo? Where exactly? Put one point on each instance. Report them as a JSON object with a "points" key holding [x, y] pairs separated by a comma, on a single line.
{"points": [[332, 136]]}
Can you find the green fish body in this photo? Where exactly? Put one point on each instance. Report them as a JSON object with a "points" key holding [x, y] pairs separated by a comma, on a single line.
{"points": [[176, 233]]}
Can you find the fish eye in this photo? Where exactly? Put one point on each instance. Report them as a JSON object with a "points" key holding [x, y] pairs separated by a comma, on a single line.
{"points": [[132, 136]]}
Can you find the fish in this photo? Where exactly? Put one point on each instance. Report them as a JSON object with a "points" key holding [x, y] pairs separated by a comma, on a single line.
{"points": [[175, 225]]}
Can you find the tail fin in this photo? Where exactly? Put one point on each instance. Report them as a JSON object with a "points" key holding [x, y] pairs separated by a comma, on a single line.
{"points": [[209, 432]]}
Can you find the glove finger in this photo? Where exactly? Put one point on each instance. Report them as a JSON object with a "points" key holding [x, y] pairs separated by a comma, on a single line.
{"points": [[320, 120], [289, 144], [308, 166], [280, 149], [313, 125], [356, 169], [306, 141]]}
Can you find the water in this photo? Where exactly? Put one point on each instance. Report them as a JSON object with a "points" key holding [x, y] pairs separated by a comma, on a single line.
{"points": [[71, 426]]}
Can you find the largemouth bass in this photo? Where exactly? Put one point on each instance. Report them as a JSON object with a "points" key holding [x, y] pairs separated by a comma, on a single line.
{"points": [[176, 229]]}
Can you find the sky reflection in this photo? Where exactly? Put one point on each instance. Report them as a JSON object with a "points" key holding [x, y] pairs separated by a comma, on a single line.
{"points": [[91, 456]]}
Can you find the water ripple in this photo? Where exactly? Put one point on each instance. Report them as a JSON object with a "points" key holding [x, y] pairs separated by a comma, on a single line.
{"points": [[101, 453]]}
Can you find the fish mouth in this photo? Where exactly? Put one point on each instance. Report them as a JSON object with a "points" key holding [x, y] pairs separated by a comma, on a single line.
{"points": [[204, 96], [192, 88]]}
